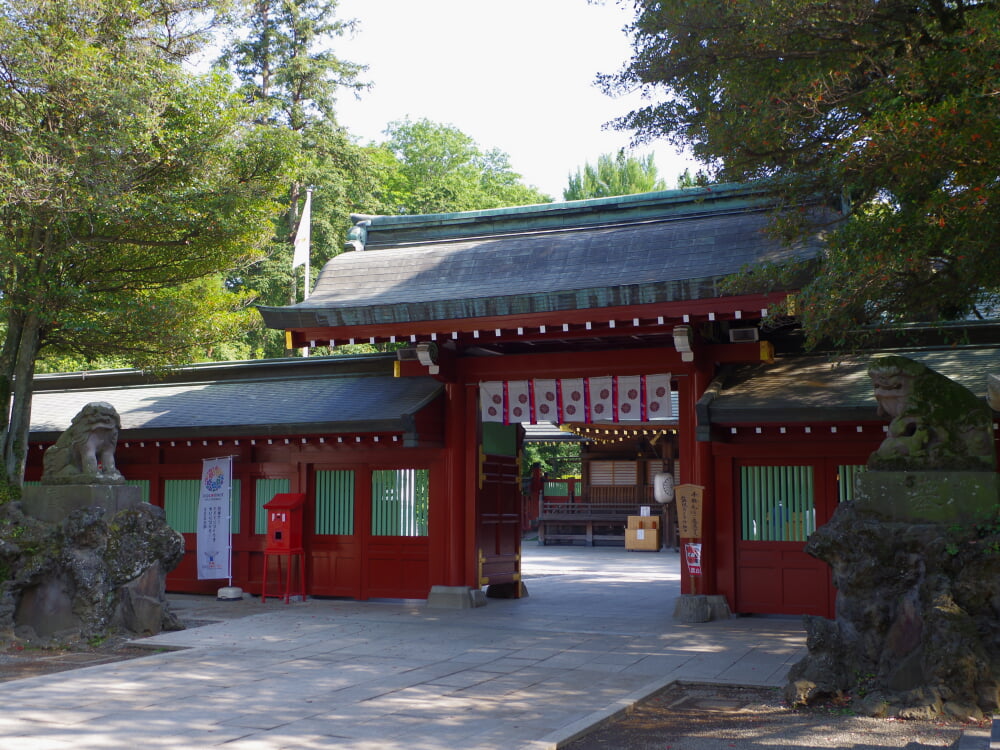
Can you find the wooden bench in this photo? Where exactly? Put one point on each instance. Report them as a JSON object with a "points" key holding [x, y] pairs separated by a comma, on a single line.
{"points": [[589, 523]]}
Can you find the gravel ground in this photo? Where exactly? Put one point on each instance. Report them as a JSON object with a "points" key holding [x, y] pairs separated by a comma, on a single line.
{"points": [[19, 661], [708, 717]]}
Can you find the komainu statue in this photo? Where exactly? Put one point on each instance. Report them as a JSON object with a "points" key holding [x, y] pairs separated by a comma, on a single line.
{"points": [[85, 453], [935, 424]]}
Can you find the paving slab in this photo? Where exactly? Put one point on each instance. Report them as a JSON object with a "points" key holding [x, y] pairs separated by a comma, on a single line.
{"points": [[595, 635]]}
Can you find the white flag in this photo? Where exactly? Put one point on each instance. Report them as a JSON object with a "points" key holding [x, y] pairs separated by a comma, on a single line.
{"points": [[301, 254]]}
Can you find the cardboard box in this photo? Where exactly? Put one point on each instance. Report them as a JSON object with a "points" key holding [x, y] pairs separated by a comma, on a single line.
{"points": [[650, 539], [643, 522]]}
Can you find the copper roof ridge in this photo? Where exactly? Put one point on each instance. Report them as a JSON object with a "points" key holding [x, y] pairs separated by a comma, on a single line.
{"points": [[374, 247]]}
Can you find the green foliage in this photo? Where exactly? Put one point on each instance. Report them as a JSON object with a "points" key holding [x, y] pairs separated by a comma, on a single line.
{"points": [[286, 68], [428, 167], [9, 492], [983, 536], [614, 175], [285, 65], [687, 180], [558, 460], [124, 180], [888, 106]]}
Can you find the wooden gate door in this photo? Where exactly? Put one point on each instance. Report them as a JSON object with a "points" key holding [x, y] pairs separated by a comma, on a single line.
{"points": [[498, 532], [778, 506], [333, 548], [369, 535]]}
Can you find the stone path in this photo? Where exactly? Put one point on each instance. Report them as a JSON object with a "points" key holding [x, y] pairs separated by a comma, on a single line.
{"points": [[595, 635]]}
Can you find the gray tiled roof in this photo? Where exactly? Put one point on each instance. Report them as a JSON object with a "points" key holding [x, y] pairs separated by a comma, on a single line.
{"points": [[639, 260], [815, 388], [289, 405]]}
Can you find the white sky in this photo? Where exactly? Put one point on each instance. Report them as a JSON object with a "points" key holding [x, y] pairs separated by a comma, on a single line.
{"points": [[517, 75]]}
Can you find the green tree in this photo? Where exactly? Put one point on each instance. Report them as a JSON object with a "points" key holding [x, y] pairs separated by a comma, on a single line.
{"points": [[281, 66], [891, 105], [614, 174], [428, 167], [286, 68], [558, 460], [125, 180]]}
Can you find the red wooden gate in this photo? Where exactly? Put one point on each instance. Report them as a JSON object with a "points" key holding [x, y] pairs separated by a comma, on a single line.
{"points": [[498, 528]]}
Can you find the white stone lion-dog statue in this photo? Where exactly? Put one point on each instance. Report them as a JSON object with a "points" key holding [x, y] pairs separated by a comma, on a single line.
{"points": [[85, 453]]}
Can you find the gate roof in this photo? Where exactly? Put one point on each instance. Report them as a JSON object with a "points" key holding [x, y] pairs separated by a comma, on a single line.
{"points": [[644, 249]]}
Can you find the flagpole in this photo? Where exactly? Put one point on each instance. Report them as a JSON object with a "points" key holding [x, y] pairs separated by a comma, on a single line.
{"points": [[229, 531]]}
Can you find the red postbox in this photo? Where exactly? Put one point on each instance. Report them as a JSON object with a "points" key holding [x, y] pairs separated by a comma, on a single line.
{"points": [[284, 539], [284, 522]]}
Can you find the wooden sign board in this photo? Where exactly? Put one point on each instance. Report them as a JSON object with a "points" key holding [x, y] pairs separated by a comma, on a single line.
{"points": [[689, 508]]}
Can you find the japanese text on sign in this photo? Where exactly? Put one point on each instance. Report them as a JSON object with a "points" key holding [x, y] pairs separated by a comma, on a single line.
{"points": [[689, 509]]}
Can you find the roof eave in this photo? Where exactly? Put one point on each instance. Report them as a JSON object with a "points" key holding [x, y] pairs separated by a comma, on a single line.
{"points": [[203, 432], [571, 300]]}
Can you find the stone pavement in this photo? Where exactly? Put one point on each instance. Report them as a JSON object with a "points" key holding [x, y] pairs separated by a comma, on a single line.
{"points": [[595, 635]]}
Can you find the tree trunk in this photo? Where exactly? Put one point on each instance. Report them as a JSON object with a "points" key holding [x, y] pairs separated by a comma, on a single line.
{"points": [[18, 429], [8, 358]]}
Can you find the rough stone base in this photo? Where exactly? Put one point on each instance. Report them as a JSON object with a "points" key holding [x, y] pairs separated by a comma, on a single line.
{"points": [[719, 607], [915, 630], [45, 611], [54, 502], [928, 496], [692, 608], [455, 597], [90, 573], [143, 608]]}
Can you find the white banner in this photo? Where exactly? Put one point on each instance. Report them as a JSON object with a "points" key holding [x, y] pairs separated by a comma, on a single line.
{"points": [[631, 401], [602, 402], [518, 402], [573, 401], [546, 402], [618, 398], [491, 401], [658, 403], [213, 518]]}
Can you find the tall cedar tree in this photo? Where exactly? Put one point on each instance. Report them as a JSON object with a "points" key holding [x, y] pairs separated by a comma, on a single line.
{"points": [[890, 108], [122, 179], [285, 67]]}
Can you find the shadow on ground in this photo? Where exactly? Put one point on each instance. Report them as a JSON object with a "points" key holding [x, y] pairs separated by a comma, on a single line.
{"points": [[708, 717]]}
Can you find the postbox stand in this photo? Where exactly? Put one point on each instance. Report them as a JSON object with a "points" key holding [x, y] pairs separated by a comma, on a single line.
{"points": [[284, 540], [287, 592]]}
